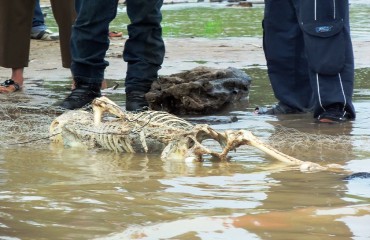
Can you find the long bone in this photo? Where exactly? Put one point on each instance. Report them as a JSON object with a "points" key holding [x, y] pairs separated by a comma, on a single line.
{"points": [[243, 137], [104, 104], [172, 136]]}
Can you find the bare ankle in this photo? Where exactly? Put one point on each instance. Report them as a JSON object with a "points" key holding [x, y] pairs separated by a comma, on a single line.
{"points": [[17, 76]]}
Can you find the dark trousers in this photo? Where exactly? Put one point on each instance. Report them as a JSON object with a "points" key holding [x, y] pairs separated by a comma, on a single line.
{"points": [[143, 52], [309, 53], [15, 28]]}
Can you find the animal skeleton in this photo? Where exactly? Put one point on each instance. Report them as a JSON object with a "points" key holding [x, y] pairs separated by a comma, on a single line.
{"points": [[155, 132]]}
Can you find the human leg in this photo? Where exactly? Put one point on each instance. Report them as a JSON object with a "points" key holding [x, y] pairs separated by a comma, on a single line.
{"points": [[330, 57], [39, 29], [14, 83], [65, 15], [38, 21], [89, 43], [284, 52], [144, 50], [15, 17]]}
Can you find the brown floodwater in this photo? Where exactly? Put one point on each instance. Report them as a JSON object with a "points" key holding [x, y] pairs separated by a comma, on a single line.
{"points": [[51, 192], [48, 192]]}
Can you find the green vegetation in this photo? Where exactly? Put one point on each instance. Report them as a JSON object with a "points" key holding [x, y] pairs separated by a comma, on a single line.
{"points": [[212, 22], [217, 21]]}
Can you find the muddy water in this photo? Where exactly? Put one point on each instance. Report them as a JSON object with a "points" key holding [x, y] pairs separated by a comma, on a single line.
{"points": [[53, 193], [47, 192]]}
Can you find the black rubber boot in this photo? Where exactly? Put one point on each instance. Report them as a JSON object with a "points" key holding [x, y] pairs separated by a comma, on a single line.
{"points": [[81, 96], [136, 102]]}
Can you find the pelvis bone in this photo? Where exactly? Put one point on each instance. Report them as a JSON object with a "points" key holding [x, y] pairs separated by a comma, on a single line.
{"points": [[155, 132]]}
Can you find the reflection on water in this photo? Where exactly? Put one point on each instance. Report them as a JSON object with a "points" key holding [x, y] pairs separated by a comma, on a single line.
{"points": [[52, 193], [77, 194]]}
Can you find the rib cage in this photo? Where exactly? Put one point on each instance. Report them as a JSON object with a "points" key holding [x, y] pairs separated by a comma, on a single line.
{"points": [[112, 137], [157, 132], [159, 119], [132, 137]]}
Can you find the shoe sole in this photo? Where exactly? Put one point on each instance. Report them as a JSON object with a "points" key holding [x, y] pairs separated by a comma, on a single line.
{"points": [[328, 120], [325, 120]]}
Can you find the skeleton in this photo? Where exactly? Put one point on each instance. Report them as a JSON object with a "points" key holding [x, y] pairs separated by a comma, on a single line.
{"points": [[156, 132]]}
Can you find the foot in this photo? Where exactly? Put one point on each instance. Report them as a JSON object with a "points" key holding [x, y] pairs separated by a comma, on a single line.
{"points": [[333, 114], [135, 101], [45, 35], [10, 86], [81, 96], [115, 34], [276, 109], [103, 86]]}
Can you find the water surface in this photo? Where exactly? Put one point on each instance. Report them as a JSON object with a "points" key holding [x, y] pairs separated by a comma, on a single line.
{"points": [[48, 192]]}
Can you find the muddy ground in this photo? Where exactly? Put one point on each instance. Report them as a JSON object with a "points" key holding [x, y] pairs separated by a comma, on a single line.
{"points": [[181, 54]]}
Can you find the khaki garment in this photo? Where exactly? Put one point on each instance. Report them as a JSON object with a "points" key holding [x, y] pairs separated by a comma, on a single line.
{"points": [[15, 28]]}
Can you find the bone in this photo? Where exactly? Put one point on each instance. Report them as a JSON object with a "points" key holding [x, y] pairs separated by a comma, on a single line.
{"points": [[104, 104], [156, 131], [247, 137]]}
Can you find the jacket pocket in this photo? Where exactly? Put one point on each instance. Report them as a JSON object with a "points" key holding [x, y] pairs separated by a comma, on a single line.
{"points": [[325, 46]]}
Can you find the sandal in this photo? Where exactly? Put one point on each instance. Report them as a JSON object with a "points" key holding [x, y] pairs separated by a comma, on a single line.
{"points": [[115, 34], [9, 86]]}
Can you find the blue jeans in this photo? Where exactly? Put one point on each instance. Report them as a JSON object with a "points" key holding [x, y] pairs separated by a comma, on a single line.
{"points": [[143, 52], [38, 21]]}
